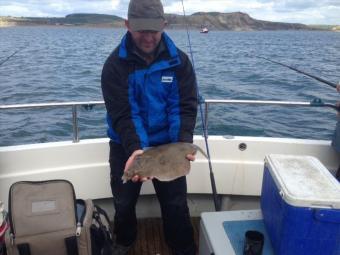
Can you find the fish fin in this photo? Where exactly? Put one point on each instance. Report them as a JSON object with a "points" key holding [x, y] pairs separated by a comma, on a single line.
{"points": [[124, 179], [165, 179], [201, 151]]}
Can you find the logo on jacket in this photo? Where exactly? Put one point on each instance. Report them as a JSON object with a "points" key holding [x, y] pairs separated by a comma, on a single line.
{"points": [[167, 79]]}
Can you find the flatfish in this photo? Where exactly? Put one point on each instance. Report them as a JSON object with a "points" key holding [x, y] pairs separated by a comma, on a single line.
{"points": [[164, 162]]}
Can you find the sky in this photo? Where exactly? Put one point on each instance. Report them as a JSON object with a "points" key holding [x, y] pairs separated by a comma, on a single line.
{"points": [[300, 11]]}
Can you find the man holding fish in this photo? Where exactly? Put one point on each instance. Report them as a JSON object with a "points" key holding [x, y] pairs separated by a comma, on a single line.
{"points": [[336, 135], [149, 89]]}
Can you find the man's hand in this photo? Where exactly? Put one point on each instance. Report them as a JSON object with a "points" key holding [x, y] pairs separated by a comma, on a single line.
{"points": [[129, 162], [191, 157]]}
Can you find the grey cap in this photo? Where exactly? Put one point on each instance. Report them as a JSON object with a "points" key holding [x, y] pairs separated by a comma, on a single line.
{"points": [[146, 15]]}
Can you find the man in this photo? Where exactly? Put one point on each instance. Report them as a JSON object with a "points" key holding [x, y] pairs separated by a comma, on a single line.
{"points": [[336, 135], [149, 88]]}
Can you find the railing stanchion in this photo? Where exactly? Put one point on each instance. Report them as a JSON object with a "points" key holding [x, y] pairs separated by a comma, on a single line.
{"points": [[206, 111], [75, 124]]}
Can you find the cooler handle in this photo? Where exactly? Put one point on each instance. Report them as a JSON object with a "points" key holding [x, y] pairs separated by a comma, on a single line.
{"points": [[327, 215]]}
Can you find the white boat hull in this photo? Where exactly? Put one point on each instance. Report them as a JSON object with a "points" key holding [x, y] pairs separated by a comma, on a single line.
{"points": [[85, 164]]}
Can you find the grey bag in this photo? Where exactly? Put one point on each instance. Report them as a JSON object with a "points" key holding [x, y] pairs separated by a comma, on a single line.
{"points": [[3, 227], [95, 235], [45, 218], [42, 218]]}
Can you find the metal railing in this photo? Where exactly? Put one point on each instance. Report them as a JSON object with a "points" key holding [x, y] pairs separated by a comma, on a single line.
{"points": [[74, 106], [90, 104], [314, 103]]}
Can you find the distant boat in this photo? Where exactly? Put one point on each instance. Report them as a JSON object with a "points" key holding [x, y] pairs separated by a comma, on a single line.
{"points": [[204, 30]]}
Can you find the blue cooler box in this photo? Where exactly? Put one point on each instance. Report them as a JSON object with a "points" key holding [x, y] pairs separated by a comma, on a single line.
{"points": [[300, 203]]}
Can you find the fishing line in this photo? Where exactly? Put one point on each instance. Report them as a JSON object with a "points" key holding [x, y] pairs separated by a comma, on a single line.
{"points": [[299, 71], [10, 56], [315, 102], [200, 101]]}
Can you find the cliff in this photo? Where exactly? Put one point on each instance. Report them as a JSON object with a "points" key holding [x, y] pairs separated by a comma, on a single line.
{"points": [[236, 21]]}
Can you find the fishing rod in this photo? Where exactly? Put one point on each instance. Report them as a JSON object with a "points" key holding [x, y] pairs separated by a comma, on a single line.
{"points": [[10, 56], [205, 133], [299, 71]]}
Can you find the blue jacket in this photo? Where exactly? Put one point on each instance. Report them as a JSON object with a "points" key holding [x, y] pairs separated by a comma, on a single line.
{"points": [[152, 104]]}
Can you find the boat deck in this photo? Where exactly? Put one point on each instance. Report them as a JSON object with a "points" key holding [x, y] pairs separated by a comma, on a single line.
{"points": [[150, 239]]}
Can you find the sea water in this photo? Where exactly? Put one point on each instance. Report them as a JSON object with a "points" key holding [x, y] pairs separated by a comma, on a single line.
{"points": [[61, 64]]}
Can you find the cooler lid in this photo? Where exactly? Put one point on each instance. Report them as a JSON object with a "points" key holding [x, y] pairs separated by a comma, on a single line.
{"points": [[303, 181]]}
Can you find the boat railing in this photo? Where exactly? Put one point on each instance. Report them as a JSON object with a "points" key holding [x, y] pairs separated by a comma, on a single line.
{"points": [[207, 102], [73, 105]]}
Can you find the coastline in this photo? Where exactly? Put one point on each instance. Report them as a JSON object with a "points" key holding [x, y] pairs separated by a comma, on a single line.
{"points": [[109, 26], [235, 21], [10, 21]]}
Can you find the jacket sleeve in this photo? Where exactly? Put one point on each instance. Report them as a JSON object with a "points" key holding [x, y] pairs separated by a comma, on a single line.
{"points": [[115, 89], [187, 100]]}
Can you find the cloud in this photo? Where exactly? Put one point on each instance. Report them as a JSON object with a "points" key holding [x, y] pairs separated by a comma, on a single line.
{"points": [[56, 8], [307, 12], [14, 10], [300, 11], [212, 5], [122, 8]]}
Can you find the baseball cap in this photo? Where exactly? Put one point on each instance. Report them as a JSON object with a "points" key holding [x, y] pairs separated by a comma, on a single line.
{"points": [[146, 15]]}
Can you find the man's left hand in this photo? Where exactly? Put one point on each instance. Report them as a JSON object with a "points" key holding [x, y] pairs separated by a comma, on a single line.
{"points": [[191, 157]]}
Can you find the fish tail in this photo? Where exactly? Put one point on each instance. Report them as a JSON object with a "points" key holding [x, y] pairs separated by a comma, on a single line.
{"points": [[201, 150]]}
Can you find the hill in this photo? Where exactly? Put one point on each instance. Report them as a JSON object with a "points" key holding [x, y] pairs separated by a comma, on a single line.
{"points": [[77, 19], [236, 21]]}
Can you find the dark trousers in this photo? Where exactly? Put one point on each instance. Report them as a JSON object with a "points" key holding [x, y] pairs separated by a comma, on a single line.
{"points": [[172, 197]]}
